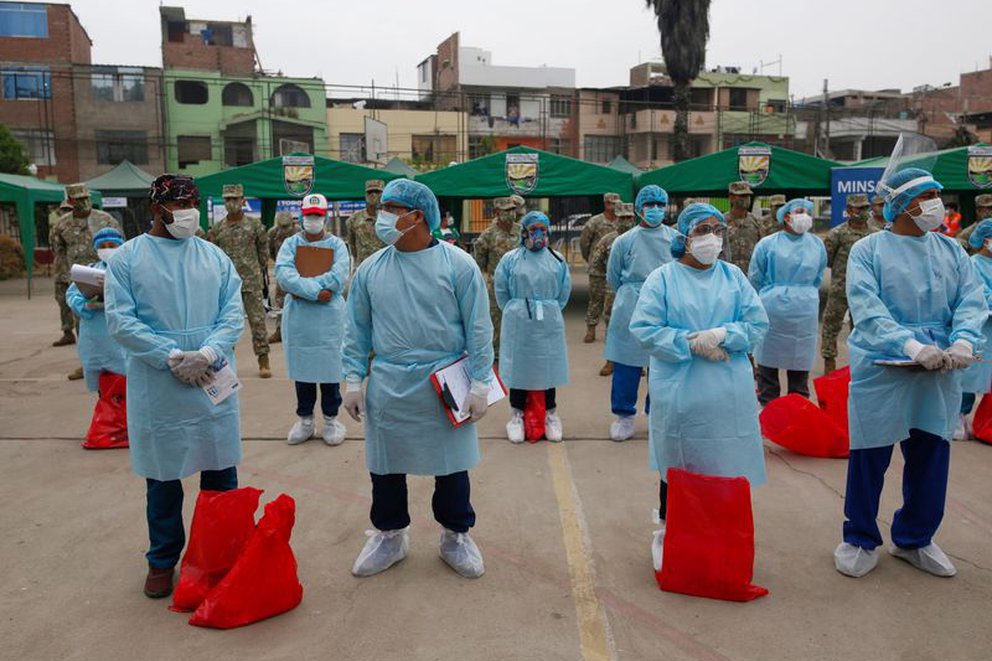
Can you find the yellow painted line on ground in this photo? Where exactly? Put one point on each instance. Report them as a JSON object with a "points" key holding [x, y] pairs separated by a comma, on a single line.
{"points": [[595, 638]]}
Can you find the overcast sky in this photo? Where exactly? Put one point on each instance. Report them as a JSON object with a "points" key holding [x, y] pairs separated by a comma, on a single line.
{"points": [[869, 44]]}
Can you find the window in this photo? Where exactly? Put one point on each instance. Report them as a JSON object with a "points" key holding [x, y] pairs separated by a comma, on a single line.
{"points": [[238, 151], [433, 148], [191, 92], [561, 146], [479, 104], [775, 105], [290, 96], [23, 20], [27, 83], [193, 149], [738, 98], [112, 147], [288, 138], [38, 145], [353, 147], [561, 106], [601, 148], [512, 104], [606, 107], [237, 94], [118, 84]]}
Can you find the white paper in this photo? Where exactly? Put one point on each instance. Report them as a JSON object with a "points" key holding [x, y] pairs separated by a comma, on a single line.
{"points": [[459, 381], [86, 275], [225, 382]]}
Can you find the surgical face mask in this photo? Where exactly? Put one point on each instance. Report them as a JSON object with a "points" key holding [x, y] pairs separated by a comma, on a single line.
{"points": [[987, 245], [706, 248], [232, 206], [536, 238], [105, 253], [82, 205], [984, 213], [931, 214], [184, 223], [385, 226], [508, 217], [801, 223], [313, 224], [653, 216], [741, 203], [858, 217]]}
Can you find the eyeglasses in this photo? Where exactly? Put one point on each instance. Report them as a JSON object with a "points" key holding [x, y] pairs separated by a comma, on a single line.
{"points": [[652, 205], [393, 208], [703, 230]]}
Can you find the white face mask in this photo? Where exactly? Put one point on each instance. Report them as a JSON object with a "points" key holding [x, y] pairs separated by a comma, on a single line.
{"points": [[313, 225], [105, 253], [706, 248], [184, 223], [801, 223], [931, 214], [988, 245]]}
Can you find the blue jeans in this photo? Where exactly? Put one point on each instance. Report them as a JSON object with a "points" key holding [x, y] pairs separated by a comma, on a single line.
{"points": [[165, 514], [306, 398], [924, 489], [967, 402], [451, 505], [624, 391]]}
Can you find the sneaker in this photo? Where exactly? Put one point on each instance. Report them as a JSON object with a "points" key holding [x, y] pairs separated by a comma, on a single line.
{"points": [[334, 431], [302, 431], [961, 430], [515, 427], [854, 561], [383, 549], [552, 426], [622, 428], [459, 551], [930, 559]]}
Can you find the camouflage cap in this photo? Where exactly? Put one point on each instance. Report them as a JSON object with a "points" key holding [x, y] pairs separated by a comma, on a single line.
{"points": [[518, 201], [984, 200], [233, 190], [857, 200], [74, 191], [504, 203], [739, 188], [777, 200], [878, 199], [623, 209], [374, 185], [611, 197]]}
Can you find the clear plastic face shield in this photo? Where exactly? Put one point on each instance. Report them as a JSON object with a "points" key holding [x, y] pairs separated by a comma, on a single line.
{"points": [[912, 150]]}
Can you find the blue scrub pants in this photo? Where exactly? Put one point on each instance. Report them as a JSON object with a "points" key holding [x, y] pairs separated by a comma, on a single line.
{"points": [[623, 394], [306, 398], [924, 489], [451, 505], [967, 402], [165, 514]]}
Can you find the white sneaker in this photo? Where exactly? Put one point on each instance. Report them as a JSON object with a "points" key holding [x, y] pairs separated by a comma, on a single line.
{"points": [[302, 431], [382, 550], [854, 561], [961, 430], [515, 427], [930, 559], [459, 550], [657, 546], [552, 426], [623, 428], [334, 431]]}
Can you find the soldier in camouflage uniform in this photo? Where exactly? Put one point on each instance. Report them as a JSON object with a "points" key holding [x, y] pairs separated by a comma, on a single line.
{"points": [[595, 229], [244, 240], [743, 229], [71, 241], [600, 257], [362, 239], [769, 224], [519, 205], [877, 221], [284, 227], [983, 211], [502, 236], [838, 243]]}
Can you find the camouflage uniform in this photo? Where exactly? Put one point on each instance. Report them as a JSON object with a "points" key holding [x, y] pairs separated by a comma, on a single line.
{"points": [[983, 211], [594, 230], [362, 239], [600, 257], [769, 224], [743, 233], [838, 244], [245, 242], [489, 248], [284, 227]]}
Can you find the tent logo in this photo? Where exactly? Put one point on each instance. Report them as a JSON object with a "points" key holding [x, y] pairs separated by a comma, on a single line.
{"points": [[298, 174], [754, 164], [980, 166], [522, 172]]}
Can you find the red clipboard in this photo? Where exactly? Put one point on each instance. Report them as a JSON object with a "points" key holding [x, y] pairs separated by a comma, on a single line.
{"points": [[447, 402]]}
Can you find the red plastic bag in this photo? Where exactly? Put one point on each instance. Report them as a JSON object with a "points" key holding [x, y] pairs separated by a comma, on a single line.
{"points": [[709, 538], [831, 392], [223, 521], [108, 429], [263, 582], [797, 424], [981, 425], [534, 414]]}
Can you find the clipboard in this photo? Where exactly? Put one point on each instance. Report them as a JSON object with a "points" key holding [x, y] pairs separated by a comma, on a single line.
{"points": [[87, 279], [452, 380], [312, 261]]}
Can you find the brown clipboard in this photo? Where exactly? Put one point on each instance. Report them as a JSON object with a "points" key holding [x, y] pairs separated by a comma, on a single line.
{"points": [[312, 261]]}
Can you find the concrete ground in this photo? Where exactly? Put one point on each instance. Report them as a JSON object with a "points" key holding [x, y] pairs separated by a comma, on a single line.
{"points": [[565, 530]]}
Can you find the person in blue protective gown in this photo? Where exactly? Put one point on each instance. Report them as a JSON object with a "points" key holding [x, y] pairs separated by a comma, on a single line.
{"points": [[786, 270], [914, 295], [532, 287], [98, 352], [420, 305], [634, 255], [977, 379], [698, 318], [313, 324], [173, 301]]}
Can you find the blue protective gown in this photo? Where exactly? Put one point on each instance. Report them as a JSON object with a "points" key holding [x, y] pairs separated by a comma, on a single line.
{"points": [[98, 352], [634, 254], [978, 378], [162, 294], [419, 311], [532, 288], [901, 288], [704, 414], [786, 270], [312, 332]]}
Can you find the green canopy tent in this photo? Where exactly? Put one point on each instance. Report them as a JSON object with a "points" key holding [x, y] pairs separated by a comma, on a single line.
{"points": [[396, 166], [623, 165], [130, 182]]}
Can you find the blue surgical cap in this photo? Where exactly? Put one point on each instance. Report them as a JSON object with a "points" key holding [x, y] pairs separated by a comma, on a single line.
{"points": [[107, 234], [791, 206], [982, 232], [650, 193], [691, 216], [897, 200], [535, 217], [414, 195]]}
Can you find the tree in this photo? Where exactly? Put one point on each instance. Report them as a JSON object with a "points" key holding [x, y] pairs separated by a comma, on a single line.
{"points": [[13, 159], [685, 27]]}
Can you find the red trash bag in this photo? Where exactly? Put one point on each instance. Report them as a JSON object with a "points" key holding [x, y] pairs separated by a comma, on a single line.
{"points": [[709, 538], [981, 425], [799, 425], [534, 414], [263, 582], [108, 429], [223, 521], [831, 392]]}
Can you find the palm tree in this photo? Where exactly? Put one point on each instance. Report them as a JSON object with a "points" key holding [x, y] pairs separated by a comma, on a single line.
{"points": [[685, 27]]}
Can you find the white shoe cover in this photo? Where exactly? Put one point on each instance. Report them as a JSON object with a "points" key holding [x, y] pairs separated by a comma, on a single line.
{"points": [[623, 428], [854, 561], [552, 426], [515, 427], [657, 547], [930, 559], [961, 430], [302, 431], [334, 431], [383, 549], [458, 549]]}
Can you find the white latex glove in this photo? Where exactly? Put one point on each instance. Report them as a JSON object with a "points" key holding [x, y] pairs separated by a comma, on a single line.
{"points": [[478, 403], [354, 399], [193, 367], [927, 355], [707, 344], [960, 355]]}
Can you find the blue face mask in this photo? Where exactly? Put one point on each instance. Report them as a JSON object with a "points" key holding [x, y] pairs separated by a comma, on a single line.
{"points": [[385, 227], [536, 239], [653, 216]]}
